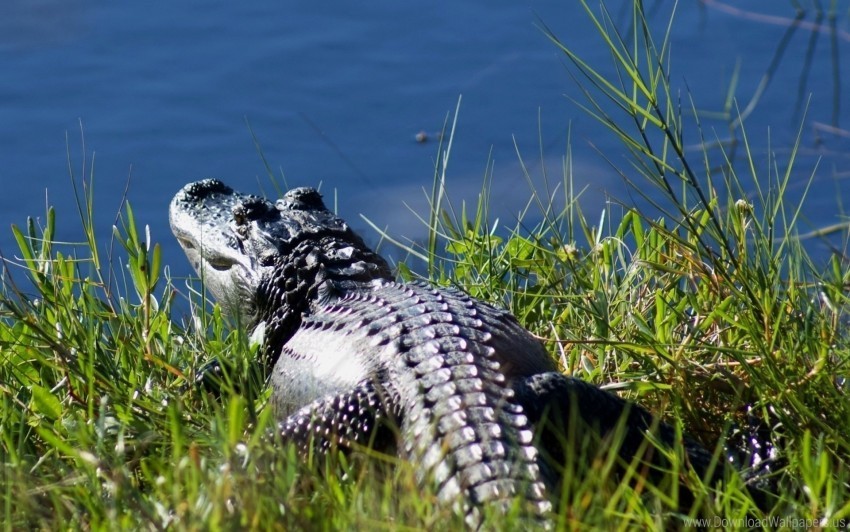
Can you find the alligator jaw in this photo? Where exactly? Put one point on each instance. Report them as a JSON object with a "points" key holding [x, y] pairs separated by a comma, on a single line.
{"points": [[201, 217]]}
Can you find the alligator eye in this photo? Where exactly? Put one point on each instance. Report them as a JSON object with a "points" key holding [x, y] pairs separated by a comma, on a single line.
{"points": [[220, 264], [301, 199]]}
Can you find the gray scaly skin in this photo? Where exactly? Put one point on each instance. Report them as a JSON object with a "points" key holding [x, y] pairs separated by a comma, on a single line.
{"points": [[355, 354]]}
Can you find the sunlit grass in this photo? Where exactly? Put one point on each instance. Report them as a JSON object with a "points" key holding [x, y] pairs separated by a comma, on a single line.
{"points": [[707, 311]]}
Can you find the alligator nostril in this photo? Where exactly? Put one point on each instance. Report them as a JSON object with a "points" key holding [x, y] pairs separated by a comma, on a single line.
{"points": [[204, 188]]}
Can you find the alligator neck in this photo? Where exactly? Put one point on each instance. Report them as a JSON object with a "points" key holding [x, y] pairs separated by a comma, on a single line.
{"points": [[314, 270]]}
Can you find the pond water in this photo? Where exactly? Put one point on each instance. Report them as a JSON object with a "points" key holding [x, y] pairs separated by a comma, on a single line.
{"points": [[147, 96]]}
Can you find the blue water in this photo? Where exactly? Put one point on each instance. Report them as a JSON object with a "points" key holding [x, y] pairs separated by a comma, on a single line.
{"points": [[159, 93]]}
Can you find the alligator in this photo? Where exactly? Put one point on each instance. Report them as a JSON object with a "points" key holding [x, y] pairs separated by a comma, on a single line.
{"points": [[454, 384]]}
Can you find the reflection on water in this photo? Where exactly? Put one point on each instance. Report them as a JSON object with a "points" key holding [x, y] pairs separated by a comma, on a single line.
{"points": [[336, 94]]}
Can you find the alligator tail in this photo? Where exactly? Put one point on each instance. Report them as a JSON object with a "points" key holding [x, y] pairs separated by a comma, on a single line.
{"points": [[554, 402]]}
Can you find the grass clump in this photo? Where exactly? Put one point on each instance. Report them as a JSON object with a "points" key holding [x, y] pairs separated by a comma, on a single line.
{"points": [[708, 312]]}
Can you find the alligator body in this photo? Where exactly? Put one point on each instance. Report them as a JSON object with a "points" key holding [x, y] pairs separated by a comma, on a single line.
{"points": [[451, 383]]}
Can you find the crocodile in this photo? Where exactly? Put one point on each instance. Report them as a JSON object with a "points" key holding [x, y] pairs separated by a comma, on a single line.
{"points": [[454, 384]]}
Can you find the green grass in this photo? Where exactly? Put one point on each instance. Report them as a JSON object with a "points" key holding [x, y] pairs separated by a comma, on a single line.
{"points": [[698, 311]]}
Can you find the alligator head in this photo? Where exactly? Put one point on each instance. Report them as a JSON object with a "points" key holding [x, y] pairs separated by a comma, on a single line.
{"points": [[265, 261]]}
